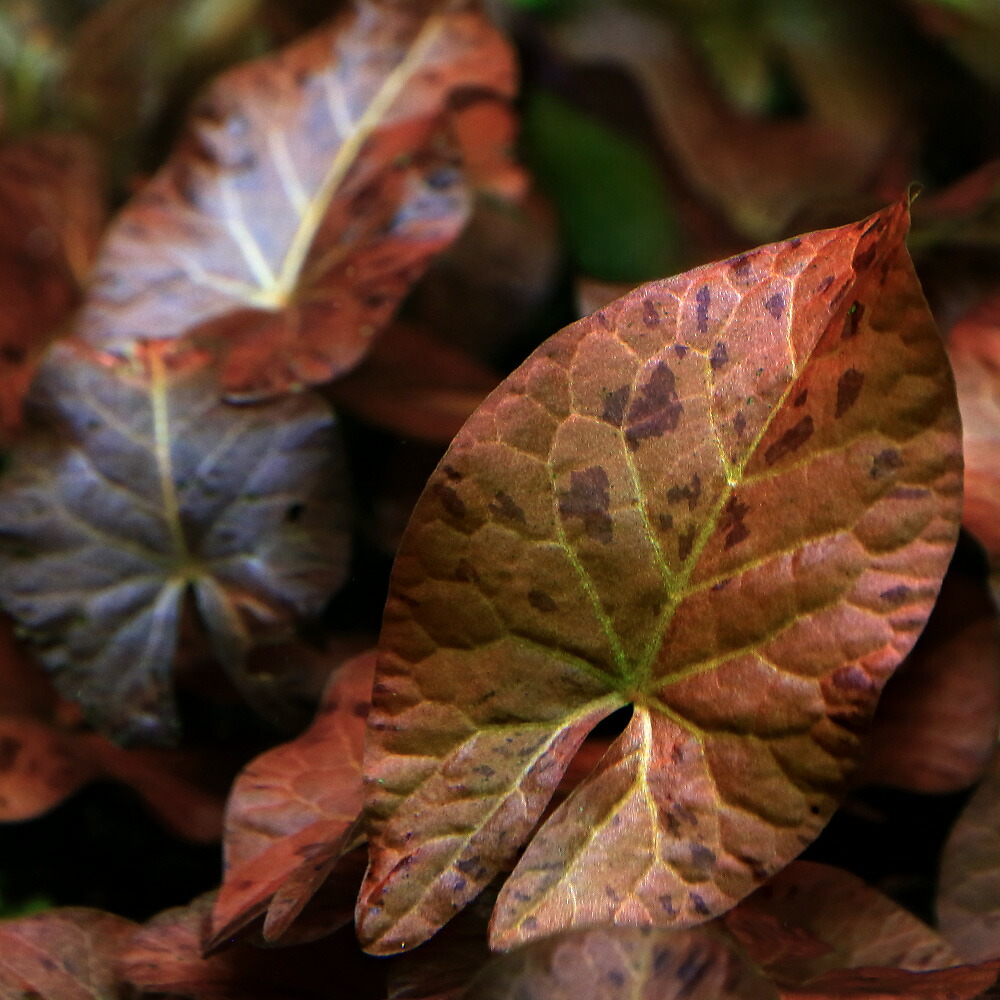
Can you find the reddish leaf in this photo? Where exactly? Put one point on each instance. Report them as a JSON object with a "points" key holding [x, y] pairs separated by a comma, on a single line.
{"points": [[688, 502], [64, 954], [51, 216], [615, 963], [937, 721], [310, 191], [165, 957], [962, 982], [292, 812], [415, 385], [810, 919], [146, 484]]}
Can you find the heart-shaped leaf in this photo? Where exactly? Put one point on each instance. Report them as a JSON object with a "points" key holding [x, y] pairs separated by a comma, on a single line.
{"points": [[140, 484], [310, 191], [728, 500]]}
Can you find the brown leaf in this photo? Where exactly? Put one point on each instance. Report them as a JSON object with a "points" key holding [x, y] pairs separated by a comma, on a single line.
{"points": [[51, 216], [310, 191], [165, 957], [292, 812], [937, 720], [962, 982], [810, 919], [684, 503], [143, 484], [415, 385], [63, 954], [615, 963]]}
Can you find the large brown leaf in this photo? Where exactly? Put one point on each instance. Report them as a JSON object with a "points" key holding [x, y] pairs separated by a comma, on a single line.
{"points": [[292, 810], [310, 191], [141, 484], [961, 982], [64, 954], [811, 918], [728, 500]]}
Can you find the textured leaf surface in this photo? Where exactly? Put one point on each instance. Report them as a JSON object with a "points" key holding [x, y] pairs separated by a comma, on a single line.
{"points": [[63, 954], [145, 484], [291, 811], [727, 499], [968, 904], [811, 918], [616, 963], [51, 215], [310, 191], [962, 982]]}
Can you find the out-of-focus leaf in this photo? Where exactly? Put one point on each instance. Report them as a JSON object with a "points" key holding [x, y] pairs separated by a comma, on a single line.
{"points": [[415, 385], [165, 956], [615, 963], [968, 904], [139, 485], [970, 27], [292, 812], [309, 192], [30, 64], [612, 204], [974, 348], [760, 172], [728, 500], [810, 919], [51, 215], [63, 954], [937, 721], [962, 982]]}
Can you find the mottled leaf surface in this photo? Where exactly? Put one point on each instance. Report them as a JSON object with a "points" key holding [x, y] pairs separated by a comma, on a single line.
{"points": [[810, 919], [142, 484], [310, 191], [726, 499], [291, 811], [63, 954], [616, 963]]}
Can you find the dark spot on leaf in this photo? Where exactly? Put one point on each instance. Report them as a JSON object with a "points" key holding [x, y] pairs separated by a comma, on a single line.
{"points": [[702, 856], [795, 243], [450, 500], [852, 678], [824, 285], [541, 601], [863, 259], [775, 305], [886, 461], [897, 595], [465, 572], [452, 473], [815, 810], [484, 770], [614, 406], [530, 923], [698, 902], [852, 321], [680, 350], [13, 354], [649, 314], [685, 543], [800, 399], [361, 709], [667, 903], [909, 493], [616, 977], [848, 389], [693, 969], [676, 754], [740, 423], [9, 749], [666, 522], [704, 300], [690, 492], [589, 498], [732, 521], [719, 357], [742, 265], [721, 585], [294, 512], [790, 441], [505, 506], [656, 409]]}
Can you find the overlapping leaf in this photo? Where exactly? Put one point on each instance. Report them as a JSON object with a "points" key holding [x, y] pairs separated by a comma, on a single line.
{"points": [[141, 485], [811, 919], [728, 500], [311, 189], [292, 811]]}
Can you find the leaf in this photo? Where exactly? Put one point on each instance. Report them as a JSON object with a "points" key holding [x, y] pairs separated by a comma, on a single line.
{"points": [[310, 191], [962, 982], [974, 349], [51, 216], [937, 720], [144, 485], [415, 385], [615, 962], [164, 956], [292, 812], [968, 904], [63, 954], [612, 204], [684, 503], [810, 919]]}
